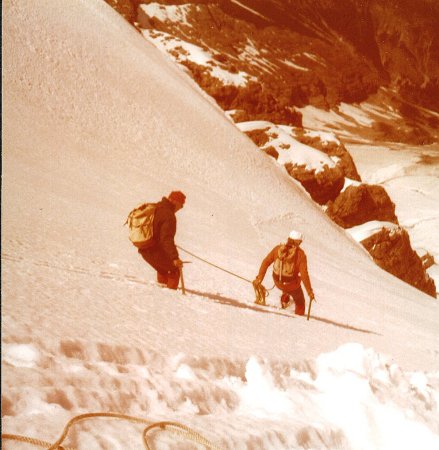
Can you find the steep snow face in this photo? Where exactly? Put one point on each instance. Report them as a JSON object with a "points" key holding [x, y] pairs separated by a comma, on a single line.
{"points": [[95, 121]]}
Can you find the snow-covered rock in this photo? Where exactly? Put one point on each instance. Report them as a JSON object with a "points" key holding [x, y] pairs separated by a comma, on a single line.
{"points": [[360, 204]]}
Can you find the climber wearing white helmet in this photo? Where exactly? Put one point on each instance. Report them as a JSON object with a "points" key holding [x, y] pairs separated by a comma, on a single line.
{"points": [[289, 270]]}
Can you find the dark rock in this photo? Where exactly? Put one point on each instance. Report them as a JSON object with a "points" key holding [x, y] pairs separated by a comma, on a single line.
{"points": [[392, 251], [238, 115], [338, 150], [360, 204], [271, 151], [428, 260], [125, 8], [322, 186], [259, 136]]}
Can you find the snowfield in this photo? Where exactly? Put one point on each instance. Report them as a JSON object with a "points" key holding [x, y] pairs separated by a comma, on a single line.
{"points": [[96, 120]]}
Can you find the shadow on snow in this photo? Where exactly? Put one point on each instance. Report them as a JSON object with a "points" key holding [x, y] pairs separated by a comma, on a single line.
{"points": [[267, 310]]}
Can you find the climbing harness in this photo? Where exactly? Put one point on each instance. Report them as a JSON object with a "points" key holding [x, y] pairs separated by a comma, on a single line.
{"points": [[174, 427]]}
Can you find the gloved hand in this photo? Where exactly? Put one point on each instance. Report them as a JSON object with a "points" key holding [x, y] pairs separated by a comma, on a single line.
{"points": [[178, 263]]}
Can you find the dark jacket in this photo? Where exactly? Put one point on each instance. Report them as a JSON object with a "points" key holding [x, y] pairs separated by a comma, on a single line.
{"points": [[165, 227]]}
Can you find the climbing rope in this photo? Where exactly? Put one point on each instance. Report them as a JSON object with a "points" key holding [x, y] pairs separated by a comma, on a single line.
{"points": [[174, 427], [29, 440], [261, 292], [183, 430], [214, 265]]}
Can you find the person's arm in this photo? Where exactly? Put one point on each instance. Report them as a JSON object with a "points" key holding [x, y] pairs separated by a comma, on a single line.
{"points": [[303, 269], [266, 263]]}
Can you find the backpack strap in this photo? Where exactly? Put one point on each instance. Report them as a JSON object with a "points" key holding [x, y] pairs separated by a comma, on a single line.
{"points": [[282, 254]]}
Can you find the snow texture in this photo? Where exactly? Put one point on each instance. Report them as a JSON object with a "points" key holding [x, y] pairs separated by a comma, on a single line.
{"points": [[96, 120]]}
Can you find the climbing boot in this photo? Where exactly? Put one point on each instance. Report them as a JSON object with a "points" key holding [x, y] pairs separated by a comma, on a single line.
{"points": [[284, 300]]}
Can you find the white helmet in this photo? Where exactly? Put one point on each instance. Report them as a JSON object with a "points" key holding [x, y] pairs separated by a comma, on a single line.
{"points": [[295, 235]]}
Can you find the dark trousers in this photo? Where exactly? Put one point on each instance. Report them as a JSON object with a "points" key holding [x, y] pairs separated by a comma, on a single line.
{"points": [[292, 288], [299, 300], [167, 273]]}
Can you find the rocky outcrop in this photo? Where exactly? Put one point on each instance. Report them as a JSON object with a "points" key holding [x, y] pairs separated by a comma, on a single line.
{"points": [[315, 53], [322, 186], [126, 8], [257, 101], [360, 204], [407, 39], [332, 147], [312, 54], [322, 178], [392, 251]]}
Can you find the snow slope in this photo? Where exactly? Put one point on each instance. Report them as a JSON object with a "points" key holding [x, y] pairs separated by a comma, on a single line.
{"points": [[95, 120]]}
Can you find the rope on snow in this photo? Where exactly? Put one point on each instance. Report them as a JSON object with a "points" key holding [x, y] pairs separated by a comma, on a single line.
{"points": [[261, 291], [174, 427], [214, 265]]}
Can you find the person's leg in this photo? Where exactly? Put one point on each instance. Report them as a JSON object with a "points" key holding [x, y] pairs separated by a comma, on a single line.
{"points": [[167, 273], [173, 279], [286, 290], [284, 300], [162, 278], [299, 300]]}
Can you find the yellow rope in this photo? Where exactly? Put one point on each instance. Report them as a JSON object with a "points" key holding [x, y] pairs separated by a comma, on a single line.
{"points": [[182, 430], [29, 440]]}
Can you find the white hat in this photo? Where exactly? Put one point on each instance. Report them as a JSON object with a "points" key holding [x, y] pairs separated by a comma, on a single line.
{"points": [[295, 235]]}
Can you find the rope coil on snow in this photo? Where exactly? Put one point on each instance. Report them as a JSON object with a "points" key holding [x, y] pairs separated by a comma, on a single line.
{"points": [[174, 427]]}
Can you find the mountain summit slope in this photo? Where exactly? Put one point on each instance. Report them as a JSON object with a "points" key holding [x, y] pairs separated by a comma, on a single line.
{"points": [[95, 121]]}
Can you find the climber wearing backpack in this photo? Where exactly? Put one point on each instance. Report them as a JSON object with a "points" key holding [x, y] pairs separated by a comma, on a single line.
{"points": [[152, 231], [289, 270]]}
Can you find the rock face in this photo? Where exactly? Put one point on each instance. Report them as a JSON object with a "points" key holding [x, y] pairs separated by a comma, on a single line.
{"points": [[126, 8], [333, 148], [314, 53], [392, 251], [322, 186], [361, 204], [322, 177], [407, 40]]}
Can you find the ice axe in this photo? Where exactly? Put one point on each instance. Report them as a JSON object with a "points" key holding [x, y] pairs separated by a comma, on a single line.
{"points": [[309, 307], [183, 289]]}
